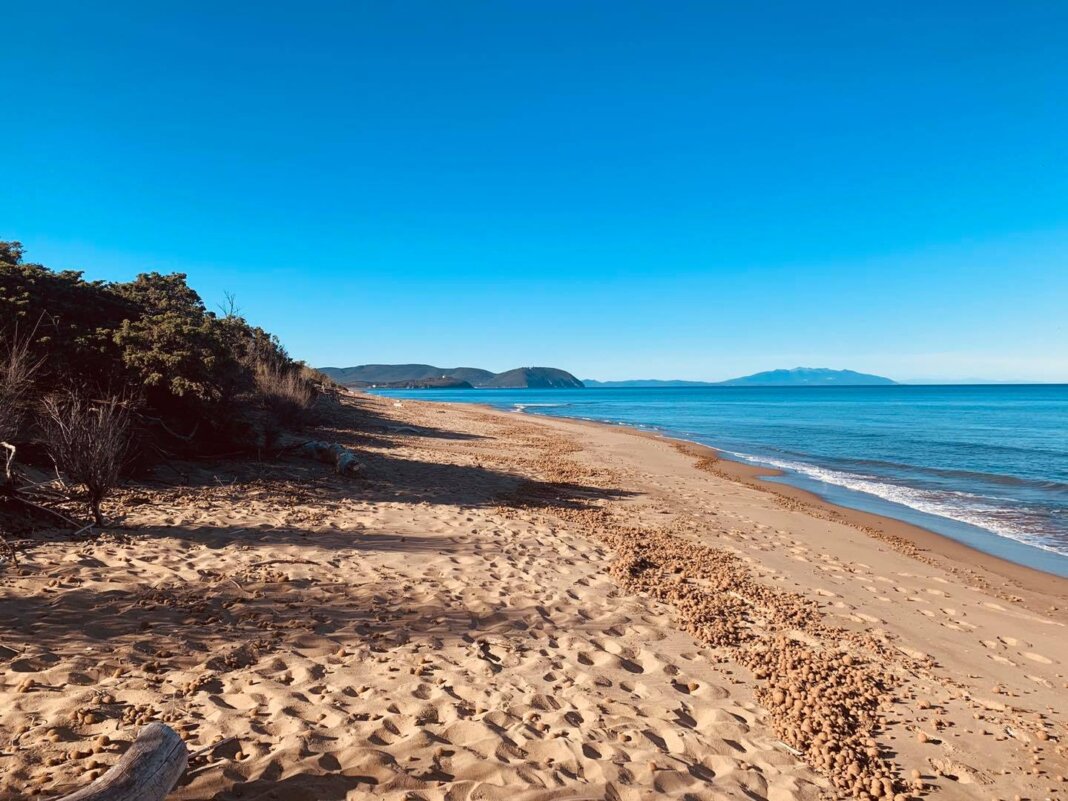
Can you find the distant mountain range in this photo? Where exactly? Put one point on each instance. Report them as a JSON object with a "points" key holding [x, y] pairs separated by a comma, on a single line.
{"points": [[426, 376], [798, 377]]}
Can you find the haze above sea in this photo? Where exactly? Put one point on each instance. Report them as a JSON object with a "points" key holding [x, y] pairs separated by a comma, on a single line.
{"points": [[984, 465]]}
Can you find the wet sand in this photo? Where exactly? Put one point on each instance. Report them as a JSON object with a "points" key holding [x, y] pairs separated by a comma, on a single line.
{"points": [[519, 607]]}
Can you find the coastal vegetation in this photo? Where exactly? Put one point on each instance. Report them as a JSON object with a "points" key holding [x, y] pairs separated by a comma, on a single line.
{"points": [[101, 378]]}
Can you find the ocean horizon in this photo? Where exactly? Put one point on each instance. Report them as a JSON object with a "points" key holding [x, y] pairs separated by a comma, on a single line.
{"points": [[985, 465]]}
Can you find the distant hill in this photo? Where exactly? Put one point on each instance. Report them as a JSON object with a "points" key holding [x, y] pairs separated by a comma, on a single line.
{"points": [[807, 377], [534, 378], [445, 382], [378, 374], [426, 376]]}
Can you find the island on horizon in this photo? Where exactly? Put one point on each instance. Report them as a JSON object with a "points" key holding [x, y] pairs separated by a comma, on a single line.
{"points": [[797, 377]]}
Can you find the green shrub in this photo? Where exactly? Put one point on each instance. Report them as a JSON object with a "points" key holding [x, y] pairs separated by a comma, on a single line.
{"points": [[151, 338]]}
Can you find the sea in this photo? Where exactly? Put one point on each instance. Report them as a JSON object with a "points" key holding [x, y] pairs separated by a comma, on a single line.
{"points": [[985, 465]]}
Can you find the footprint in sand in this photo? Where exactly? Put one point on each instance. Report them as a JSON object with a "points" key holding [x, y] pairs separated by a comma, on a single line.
{"points": [[1042, 660]]}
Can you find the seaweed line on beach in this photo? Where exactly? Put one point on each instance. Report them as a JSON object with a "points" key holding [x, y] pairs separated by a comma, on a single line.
{"points": [[824, 703]]}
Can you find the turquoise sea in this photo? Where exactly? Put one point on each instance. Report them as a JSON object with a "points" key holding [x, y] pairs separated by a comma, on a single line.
{"points": [[986, 465]]}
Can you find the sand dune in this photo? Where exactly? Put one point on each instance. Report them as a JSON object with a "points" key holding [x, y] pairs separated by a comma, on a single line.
{"points": [[522, 608]]}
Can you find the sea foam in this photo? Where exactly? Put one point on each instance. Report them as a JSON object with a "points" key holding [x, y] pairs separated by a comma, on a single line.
{"points": [[964, 507]]}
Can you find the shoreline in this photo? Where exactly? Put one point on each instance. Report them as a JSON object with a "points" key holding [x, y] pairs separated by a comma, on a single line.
{"points": [[1032, 583], [960, 554]]}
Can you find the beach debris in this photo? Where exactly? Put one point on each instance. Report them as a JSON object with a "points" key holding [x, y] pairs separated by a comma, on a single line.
{"points": [[146, 772], [823, 702], [344, 460], [402, 429], [210, 747]]}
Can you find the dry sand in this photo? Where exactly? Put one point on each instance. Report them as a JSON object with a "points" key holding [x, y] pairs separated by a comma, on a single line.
{"points": [[517, 607]]}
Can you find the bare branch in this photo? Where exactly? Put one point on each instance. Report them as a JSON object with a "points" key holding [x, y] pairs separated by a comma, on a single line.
{"points": [[88, 440]]}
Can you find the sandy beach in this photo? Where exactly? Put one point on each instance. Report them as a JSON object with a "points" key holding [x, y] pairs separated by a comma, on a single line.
{"points": [[513, 607]]}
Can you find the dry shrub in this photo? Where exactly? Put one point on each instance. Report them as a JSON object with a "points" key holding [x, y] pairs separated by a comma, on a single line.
{"points": [[88, 441], [318, 379], [17, 368], [286, 392]]}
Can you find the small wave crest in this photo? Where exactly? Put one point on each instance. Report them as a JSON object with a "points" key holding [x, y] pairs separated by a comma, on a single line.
{"points": [[521, 407], [963, 507], [1048, 485]]}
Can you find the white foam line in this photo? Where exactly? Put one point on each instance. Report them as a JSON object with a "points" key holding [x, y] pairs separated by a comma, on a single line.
{"points": [[918, 499]]}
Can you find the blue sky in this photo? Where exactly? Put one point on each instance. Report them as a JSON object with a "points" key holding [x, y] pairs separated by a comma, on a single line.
{"points": [[672, 190]]}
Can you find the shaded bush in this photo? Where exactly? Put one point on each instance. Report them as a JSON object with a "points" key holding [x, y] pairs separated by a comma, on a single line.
{"points": [[16, 380], [201, 380], [88, 441], [17, 368], [72, 320]]}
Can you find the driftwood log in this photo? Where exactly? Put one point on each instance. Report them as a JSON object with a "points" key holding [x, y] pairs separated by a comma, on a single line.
{"points": [[344, 461], [146, 772]]}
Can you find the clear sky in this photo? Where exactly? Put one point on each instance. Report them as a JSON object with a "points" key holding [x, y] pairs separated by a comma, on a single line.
{"points": [[621, 189]]}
